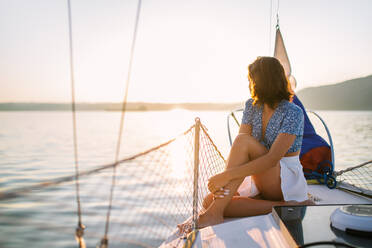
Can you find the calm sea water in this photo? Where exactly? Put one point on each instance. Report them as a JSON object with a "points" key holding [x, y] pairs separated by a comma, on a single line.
{"points": [[37, 146]]}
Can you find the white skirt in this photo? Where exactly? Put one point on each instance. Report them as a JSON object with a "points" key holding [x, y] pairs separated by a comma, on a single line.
{"points": [[293, 182]]}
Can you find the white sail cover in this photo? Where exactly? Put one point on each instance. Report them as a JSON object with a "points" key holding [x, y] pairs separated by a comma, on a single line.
{"points": [[281, 54]]}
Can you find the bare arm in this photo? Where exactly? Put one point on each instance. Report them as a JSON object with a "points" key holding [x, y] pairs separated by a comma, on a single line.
{"points": [[279, 148], [245, 128]]}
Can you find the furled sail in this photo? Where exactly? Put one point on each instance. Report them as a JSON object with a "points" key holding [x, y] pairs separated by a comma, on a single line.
{"points": [[316, 154], [281, 54]]}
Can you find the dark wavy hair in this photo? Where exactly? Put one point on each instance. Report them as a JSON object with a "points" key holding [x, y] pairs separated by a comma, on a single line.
{"points": [[268, 82]]}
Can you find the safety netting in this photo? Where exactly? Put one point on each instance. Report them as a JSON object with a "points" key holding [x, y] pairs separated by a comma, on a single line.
{"points": [[154, 191], [357, 179]]}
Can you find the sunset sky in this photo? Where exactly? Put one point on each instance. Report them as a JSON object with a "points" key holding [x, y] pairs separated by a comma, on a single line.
{"points": [[186, 51]]}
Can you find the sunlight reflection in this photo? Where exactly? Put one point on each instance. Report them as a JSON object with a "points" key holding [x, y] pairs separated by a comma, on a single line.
{"points": [[256, 235], [179, 159]]}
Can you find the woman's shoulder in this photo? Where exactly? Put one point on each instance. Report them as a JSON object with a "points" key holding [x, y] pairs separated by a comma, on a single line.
{"points": [[249, 113], [293, 109], [249, 104]]}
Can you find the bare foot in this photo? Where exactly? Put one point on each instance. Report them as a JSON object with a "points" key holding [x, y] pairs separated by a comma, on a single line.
{"points": [[185, 228], [206, 218], [209, 218]]}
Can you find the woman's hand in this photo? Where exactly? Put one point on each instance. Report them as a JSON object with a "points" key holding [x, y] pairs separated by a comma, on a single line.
{"points": [[217, 182], [221, 193]]}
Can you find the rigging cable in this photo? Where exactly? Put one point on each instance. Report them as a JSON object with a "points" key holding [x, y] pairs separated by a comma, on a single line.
{"points": [[104, 240], [277, 15], [80, 229], [271, 14]]}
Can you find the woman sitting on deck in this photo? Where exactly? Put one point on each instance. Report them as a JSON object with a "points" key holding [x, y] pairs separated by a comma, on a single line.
{"points": [[263, 169]]}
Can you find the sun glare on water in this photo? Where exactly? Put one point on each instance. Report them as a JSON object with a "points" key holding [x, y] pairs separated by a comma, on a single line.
{"points": [[179, 160]]}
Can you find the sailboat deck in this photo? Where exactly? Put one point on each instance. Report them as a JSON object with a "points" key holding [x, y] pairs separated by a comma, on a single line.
{"points": [[261, 231]]}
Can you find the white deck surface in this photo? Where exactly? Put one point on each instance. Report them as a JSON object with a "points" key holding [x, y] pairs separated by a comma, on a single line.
{"points": [[257, 231], [325, 195], [260, 231]]}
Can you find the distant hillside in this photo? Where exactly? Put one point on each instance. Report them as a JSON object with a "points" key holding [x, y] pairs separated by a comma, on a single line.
{"points": [[355, 94]]}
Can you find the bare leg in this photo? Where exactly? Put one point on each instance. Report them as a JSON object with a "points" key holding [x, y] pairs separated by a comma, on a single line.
{"points": [[244, 149], [239, 154], [241, 206]]}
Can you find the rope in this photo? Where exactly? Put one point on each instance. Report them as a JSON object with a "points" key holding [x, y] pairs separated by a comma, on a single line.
{"points": [[338, 173], [15, 193], [80, 228], [104, 241], [190, 239], [212, 143]]}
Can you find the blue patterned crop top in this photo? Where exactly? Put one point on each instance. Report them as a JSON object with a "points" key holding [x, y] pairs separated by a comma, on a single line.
{"points": [[287, 118]]}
